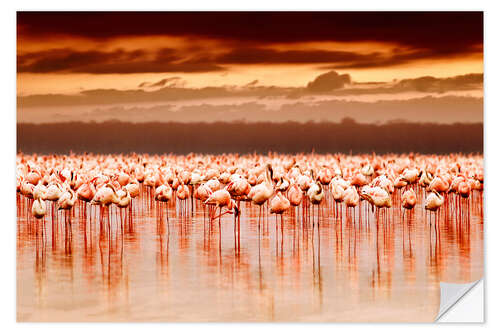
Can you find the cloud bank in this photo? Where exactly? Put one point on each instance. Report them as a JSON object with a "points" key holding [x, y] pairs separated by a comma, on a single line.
{"points": [[327, 84]]}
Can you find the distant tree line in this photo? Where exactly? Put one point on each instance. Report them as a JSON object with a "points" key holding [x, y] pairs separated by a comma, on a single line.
{"points": [[290, 137]]}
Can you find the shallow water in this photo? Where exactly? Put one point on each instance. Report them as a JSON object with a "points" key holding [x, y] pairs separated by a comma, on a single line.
{"points": [[348, 268]]}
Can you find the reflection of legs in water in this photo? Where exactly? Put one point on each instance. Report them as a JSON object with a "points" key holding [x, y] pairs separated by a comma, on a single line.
{"points": [[276, 237], [260, 262], [281, 215], [239, 221]]}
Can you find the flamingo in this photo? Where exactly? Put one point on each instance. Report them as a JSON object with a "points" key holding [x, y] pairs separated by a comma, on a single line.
{"points": [[39, 192], [325, 176], [425, 178], [26, 189], [400, 182], [283, 184], [359, 180], [377, 196], [105, 196], [33, 177], [259, 194], [279, 205], [316, 195], [38, 209], [409, 199], [163, 193], [202, 193], [222, 198], [86, 191], [133, 188], [182, 192], [367, 170], [66, 203], [123, 198], [434, 201], [106, 180], [351, 197], [337, 192], [67, 200], [239, 188], [294, 195], [464, 189], [410, 175], [438, 184]]}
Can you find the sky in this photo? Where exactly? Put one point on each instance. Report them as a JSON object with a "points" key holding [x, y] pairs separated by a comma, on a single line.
{"points": [[251, 66]]}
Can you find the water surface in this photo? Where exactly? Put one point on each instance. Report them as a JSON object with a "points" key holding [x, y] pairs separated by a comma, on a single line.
{"points": [[335, 266]]}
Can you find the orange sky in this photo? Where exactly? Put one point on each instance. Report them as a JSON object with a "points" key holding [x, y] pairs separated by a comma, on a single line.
{"points": [[246, 54]]}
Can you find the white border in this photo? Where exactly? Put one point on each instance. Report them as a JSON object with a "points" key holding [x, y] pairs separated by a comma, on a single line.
{"points": [[492, 139]]}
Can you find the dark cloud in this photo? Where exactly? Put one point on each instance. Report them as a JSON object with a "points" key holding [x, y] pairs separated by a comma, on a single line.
{"points": [[400, 57], [337, 59], [328, 82], [430, 30], [440, 85], [270, 56], [54, 60], [248, 37], [113, 62], [170, 60], [115, 96], [430, 84], [251, 83], [172, 80]]}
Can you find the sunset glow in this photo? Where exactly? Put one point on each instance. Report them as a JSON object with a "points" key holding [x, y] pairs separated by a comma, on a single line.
{"points": [[252, 55]]}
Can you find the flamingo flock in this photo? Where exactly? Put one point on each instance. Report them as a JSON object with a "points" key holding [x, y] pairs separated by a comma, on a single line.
{"points": [[276, 183]]}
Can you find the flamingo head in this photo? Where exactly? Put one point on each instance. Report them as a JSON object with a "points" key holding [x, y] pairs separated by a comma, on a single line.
{"points": [[111, 187], [232, 206], [320, 188], [270, 169]]}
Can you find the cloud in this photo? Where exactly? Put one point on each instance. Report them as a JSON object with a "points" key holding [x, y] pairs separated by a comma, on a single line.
{"points": [[54, 60], [425, 30], [328, 82], [144, 84], [246, 38], [195, 60], [251, 83], [338, 59], [115, 96], [272, 56], [429, 84], [113, 62], [173, 82], [432, 84]]}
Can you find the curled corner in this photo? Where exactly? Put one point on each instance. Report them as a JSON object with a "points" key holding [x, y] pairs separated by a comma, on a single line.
{"points": [[451, 293]]}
